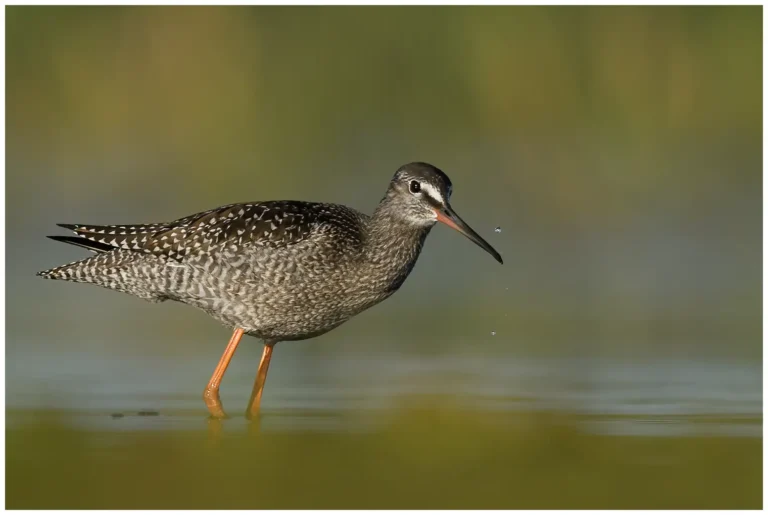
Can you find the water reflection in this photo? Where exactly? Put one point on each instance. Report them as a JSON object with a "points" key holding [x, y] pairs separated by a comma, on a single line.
{"points": [[652, 396]]}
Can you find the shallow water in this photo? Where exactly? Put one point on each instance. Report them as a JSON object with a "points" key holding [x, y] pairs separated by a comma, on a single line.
{"points": [[426, 453], [384, 430], [653, 397]]}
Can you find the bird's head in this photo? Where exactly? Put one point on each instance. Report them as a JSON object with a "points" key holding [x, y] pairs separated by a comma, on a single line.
{"points": [[419, 194]]}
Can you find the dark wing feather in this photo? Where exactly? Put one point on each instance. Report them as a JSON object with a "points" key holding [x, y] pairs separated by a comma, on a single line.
{"points": [[128, 237], [272, 224], [93, 246]]}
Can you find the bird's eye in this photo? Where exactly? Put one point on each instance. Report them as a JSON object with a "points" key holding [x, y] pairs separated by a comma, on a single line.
{"points": [[415, 187]]}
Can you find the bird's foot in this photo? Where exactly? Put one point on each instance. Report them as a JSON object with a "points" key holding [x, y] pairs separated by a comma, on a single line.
{"points": [[214, 405]]}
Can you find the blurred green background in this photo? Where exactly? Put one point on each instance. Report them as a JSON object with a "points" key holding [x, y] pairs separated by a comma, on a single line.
{"points": [[619, 150]]}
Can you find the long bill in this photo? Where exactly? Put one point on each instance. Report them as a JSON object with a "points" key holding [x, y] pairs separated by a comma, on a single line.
{"points": [[448, 216]]}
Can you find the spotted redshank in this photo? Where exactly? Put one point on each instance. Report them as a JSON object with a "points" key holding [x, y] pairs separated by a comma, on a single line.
{"points": [[276, 270]]}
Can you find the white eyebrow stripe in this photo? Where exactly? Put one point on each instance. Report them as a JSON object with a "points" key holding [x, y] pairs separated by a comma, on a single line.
{"points": [[431, 191]]}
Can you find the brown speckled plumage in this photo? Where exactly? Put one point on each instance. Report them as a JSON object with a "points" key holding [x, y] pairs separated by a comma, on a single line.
{"points": [[278, 270]]}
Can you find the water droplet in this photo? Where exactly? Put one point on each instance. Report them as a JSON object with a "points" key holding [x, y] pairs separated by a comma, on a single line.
{"points": [[493, 333], [497, 229]]}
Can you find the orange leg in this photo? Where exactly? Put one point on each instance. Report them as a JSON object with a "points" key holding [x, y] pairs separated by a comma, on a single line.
{"points": [[261, 378], [211, 392]]}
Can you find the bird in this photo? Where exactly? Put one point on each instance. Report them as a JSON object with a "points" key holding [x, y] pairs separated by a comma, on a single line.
{"points": [[275, 270]]}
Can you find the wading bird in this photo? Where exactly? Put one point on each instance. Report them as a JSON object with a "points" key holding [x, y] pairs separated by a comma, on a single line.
{"points": [[276, 270]]}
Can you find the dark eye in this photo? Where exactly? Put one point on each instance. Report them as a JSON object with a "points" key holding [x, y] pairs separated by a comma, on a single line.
{"points": [[415, 187]]}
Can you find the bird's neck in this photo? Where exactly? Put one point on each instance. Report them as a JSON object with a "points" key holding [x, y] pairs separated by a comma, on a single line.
{"points": [[393, 244]]}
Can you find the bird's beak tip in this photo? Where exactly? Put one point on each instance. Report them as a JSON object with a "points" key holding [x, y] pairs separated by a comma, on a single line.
{"points": [[449, 217]]}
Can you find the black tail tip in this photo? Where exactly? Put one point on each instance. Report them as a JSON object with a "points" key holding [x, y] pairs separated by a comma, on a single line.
{"points": [[91, 245]]}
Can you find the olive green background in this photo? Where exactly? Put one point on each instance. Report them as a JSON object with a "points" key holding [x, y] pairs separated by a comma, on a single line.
{"points": [[619, 150]]}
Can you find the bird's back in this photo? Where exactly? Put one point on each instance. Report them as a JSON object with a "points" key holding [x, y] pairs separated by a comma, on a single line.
{"points": [[272, 224], [240, 262]]}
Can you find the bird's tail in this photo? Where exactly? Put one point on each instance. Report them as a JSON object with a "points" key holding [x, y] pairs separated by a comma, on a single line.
{"points": [[75, 271], [69, 271], [111, 267], [121, 270]]}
